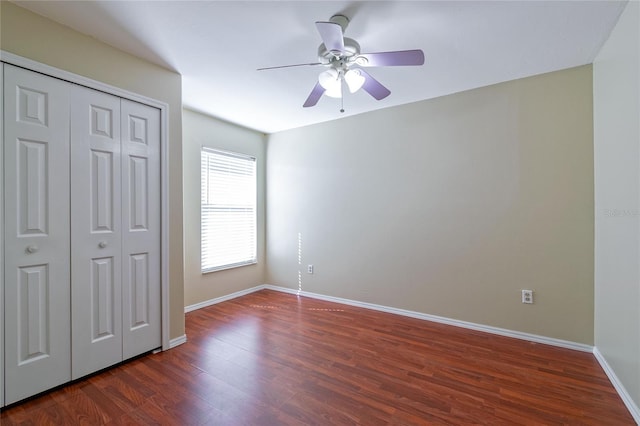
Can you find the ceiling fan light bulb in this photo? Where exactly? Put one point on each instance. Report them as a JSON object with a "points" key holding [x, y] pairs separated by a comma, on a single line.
{"points": [[334, 92], [329, 78], [354, 80], [330, 81]]}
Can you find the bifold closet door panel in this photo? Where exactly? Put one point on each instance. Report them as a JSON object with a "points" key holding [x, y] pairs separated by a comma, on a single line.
{"points": [[96, 231], [1, 233], [36, 233], [141, 296]]}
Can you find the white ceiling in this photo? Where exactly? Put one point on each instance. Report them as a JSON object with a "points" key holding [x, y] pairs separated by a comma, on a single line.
{"points": [[217, 45]]}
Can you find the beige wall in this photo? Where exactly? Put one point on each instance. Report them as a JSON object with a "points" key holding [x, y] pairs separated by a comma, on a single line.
{"points": [[448, 207], [32, 36], [616, 88], [201, 130]]}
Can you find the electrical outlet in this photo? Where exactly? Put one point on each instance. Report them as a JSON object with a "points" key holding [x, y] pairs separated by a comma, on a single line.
{"points": [[527, 296], [309, 269]]}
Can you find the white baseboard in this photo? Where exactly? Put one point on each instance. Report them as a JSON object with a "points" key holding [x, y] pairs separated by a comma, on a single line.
{"points": [[443, 320], [222, 298], [617, 384], [413, 314], [177, 341], [626, 398]]}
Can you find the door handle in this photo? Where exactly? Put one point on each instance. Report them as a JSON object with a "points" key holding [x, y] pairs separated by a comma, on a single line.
{"points": [[32, 249], [102, 244]]}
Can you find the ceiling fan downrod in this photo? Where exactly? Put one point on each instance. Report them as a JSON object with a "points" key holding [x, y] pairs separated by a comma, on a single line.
{"points": [[341, 20]]}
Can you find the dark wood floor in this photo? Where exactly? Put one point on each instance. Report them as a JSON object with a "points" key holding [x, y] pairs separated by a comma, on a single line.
{"points": [[271, 358]]}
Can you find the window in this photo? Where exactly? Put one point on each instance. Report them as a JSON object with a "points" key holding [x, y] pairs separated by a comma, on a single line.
{"points": [[228, 209]]}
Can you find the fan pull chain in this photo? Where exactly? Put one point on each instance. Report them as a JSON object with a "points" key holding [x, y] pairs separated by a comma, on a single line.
{"points": [[342, 84]]}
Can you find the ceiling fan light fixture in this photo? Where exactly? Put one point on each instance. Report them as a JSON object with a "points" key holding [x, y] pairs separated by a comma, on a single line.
{"points": [[354, 80], [334, 92], [330, 80]]}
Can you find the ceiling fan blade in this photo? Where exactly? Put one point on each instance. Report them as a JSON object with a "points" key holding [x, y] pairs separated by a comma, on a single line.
{"points": [[385, 59], [314, 96], [289, 66], [331, 34], [374, 87]]}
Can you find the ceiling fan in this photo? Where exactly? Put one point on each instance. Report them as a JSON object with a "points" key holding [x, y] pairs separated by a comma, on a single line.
{"points": [[344, 61]]}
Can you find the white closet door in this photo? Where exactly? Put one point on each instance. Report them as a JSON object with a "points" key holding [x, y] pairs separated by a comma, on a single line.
{"points": [[141, 228], [1, 244], [36, 167], [96, 243]]}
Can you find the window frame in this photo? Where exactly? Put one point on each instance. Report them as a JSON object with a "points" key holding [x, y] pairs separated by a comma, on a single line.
{"points": [[237, 155]]}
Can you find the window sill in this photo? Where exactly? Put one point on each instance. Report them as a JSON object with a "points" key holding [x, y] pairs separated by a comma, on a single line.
{"points": [[227, 267]]}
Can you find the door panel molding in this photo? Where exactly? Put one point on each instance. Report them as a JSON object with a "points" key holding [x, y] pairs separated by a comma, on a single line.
{"points": [[96, 231], [11, 58], [140, 230], [37, 310]]}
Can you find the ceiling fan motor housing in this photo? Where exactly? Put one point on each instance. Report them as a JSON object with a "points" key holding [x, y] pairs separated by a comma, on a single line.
{"points": [[351, 49]]}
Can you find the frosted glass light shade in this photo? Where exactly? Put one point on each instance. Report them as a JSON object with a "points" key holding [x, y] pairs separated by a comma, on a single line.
{"points": [[331, 82], [354, 80]]}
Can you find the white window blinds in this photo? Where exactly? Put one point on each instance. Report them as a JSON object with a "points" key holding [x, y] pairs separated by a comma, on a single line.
{"points": [[228, 210]]}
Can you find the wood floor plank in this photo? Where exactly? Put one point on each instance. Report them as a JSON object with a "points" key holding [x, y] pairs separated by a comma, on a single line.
{"points": [[270, 358]]}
